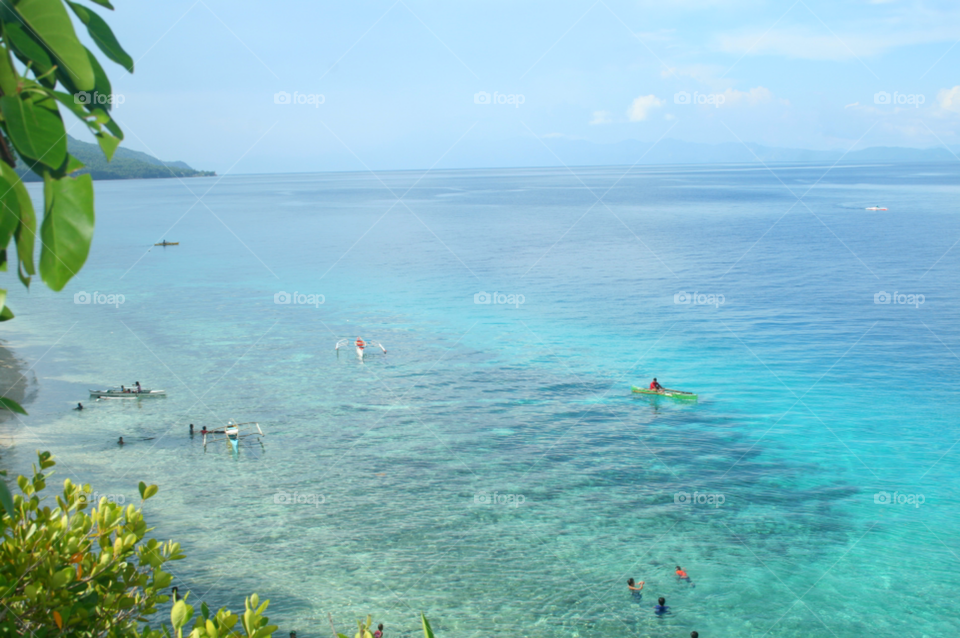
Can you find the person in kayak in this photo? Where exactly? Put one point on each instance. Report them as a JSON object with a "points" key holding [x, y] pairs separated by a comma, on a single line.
{"points": [[654, 385]]}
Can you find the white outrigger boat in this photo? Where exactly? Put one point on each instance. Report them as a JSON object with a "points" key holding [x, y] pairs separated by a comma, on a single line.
{"points": [[360, 345], [232, 433], [123, 392]]}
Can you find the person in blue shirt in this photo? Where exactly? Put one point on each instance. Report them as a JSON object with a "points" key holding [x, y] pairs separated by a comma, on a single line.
{"points": [[661, 606]]}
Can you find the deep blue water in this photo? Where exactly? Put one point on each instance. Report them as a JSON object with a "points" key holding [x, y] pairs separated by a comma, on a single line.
{"points": [[813, 398]]}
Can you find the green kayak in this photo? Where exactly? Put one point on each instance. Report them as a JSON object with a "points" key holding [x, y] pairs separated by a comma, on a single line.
{"points": [[666, 392]]}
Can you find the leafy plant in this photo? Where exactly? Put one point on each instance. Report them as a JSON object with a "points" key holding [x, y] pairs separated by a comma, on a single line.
{"points": [[44, 66], [65, 571]]}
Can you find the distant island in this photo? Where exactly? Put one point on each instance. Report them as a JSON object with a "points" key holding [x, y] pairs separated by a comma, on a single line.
{"points": [[126, 164]]}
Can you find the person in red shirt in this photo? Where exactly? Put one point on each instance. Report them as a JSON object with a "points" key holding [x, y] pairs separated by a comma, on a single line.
{"points": [[656, 386]]}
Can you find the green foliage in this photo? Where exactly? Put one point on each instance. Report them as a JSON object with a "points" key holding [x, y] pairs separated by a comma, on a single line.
{"points": [[427, 631], [67, 571], [39, 50]]}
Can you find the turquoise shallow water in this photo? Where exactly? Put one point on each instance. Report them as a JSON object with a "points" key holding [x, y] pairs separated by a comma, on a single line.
{"points": [[493, 469]]}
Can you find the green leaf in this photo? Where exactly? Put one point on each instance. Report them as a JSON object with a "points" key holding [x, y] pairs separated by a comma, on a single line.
{"points": [[27, 48], [36, 132], [6, 314], [103, 3], [49, 21], [73, 164], [178, 615], [26, 232], [67, 228], [101, 84], [427, 632], [102, 35], [108, 144], [142, 487], [150, 491], [6, 499], [9, 212], [11, 405]]}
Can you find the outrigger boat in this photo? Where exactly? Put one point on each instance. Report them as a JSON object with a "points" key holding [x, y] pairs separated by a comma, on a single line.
{"points": [[124, 392], [666, 392], [168, 243], [875, 208], [361, 346], [232, 432]]}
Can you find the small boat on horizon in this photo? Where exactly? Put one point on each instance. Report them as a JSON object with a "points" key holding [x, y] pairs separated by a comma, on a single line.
{"points": [[124, 392], [875, 208], [168, 243], [666, 392]]}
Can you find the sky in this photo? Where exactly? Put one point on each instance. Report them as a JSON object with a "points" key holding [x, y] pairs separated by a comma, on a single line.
{"points": [[303, 86]]}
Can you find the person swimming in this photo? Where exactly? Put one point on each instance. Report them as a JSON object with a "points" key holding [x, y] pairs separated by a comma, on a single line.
{"points": [[79, 406], [634, 590], [682, 575], [661, 606], [379, 632], [694, 634], [120, 442]]}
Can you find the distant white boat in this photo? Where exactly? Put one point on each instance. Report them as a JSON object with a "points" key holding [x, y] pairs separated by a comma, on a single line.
{"points": [[875, 208]]}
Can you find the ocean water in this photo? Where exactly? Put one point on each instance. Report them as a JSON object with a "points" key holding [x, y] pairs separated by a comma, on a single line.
{"points": [[493, 469]]}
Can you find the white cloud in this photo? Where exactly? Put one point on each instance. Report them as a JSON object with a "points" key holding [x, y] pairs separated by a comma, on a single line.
{"points": [[848, 106], [641, 106], [949, 99], [601, 117]]}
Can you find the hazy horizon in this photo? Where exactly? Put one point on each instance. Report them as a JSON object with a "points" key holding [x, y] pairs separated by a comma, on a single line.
{"points": [[403, 85]]}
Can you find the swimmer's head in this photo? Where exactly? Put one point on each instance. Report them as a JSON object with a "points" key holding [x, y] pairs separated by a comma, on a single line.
{"points": [[630, 582], [662, 601]]}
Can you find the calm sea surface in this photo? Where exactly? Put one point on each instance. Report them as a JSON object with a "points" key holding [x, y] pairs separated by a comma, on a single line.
{"points": [[493, 469]]}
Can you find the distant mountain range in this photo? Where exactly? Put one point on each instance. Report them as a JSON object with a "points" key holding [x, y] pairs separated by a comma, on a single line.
{"points": [[126, 164], [530, 152]]}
